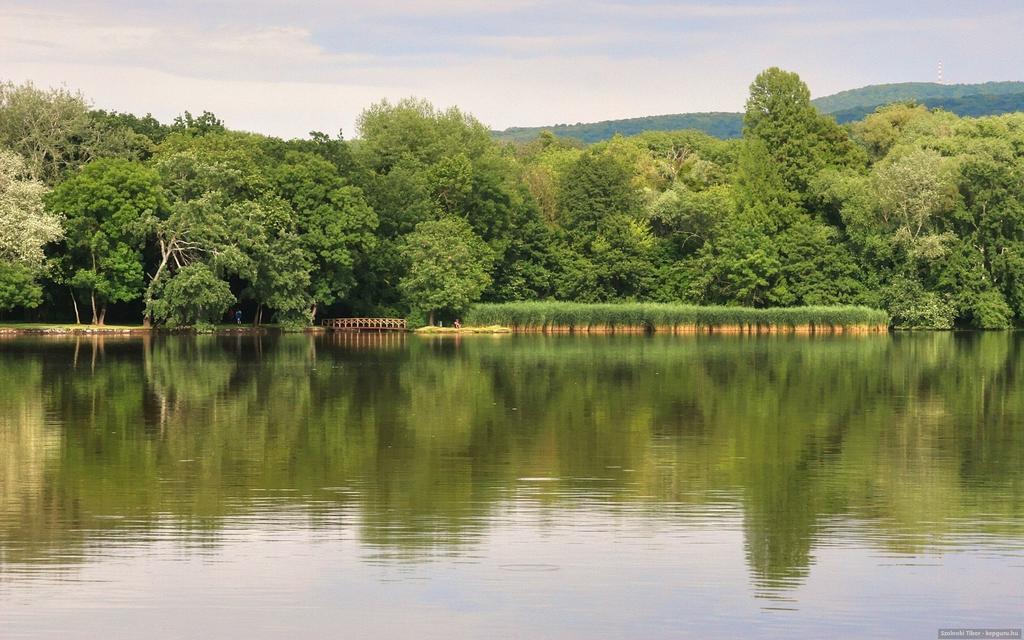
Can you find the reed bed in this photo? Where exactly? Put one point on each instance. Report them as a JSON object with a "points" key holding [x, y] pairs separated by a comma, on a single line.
{"points": [[567, 317]]}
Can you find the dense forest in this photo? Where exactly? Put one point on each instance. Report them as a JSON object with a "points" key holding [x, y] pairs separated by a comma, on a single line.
{"points": [[110, 217], [718, 124], [879, 94], [986, 99]]}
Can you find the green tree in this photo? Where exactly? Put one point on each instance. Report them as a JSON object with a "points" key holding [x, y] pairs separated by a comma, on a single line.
{"points": [[218, 205], [528, 265], [55, 132], [110, 207], [888, 125], [801, 140], [596, 187], [192, 295], [913, 188], [690, 219], [913, 306], [415, 130], [448, 266], [281, 278], [414, 163], [624, 254], [334, 225], [744, 265], [201, 125], [19, 287]]}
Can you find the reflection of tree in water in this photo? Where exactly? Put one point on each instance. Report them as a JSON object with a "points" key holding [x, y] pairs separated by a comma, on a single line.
{"points": [[28, 447], [421, 441]]}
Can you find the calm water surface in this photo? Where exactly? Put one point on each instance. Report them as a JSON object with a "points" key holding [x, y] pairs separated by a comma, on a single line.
{"points": [[511, 486]]}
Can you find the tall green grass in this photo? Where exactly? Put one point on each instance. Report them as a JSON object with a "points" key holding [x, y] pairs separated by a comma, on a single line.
{"points": [[572, 316]]}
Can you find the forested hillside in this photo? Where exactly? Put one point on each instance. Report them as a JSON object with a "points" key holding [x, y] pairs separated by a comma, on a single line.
{"points": [[990, 98], [109, 216], [719, 124], [972, 105], [875, 95]]}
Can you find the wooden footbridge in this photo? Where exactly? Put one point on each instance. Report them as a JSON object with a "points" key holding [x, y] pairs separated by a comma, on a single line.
{"points": [[365, 324]]}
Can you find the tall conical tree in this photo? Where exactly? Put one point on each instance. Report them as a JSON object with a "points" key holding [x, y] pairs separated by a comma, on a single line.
{"points": [[800, 139]]}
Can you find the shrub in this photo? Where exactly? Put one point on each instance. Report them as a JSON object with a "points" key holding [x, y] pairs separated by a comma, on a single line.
{"points": [[912, 307], [990, 311]]}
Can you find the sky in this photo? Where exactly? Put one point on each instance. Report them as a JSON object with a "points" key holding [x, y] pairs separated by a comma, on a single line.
{"points": [[287, 68]]}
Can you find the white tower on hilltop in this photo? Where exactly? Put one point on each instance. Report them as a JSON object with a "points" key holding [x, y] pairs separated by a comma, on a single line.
{"points": [[940, 71]]}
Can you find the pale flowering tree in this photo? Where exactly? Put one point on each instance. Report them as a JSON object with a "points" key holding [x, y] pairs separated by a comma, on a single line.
{"points": [[914, 189], [25, 228]]}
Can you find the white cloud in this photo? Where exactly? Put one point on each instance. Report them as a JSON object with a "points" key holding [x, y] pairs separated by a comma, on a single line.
{"points": [[26, 33], [315, 64], [289, 109], [702, 10]]}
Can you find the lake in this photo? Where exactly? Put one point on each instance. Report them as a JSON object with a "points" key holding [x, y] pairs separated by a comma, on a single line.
{"points": [[393, 486]]}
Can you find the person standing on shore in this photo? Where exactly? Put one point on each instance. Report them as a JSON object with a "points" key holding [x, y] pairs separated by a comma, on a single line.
{"points": [[238, 316]]}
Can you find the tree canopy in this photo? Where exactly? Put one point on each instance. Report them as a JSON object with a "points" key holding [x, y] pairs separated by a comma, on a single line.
{"points": [[26, 227], [913, 210]]}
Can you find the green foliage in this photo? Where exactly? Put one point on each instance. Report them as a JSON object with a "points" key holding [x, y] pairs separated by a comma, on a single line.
{"points": [[990, 311], [974, 100], [874, 95], [654, 316], [55, 131], [597, 186], [690, 219], [18, 287], [193, 295], [912, 188], [448, 266], [25, 225], [26, 228], [717, 124], [414, 130], [110, 207], [145, 131], [916, 211], [912, 306], [800, 140], [204, 124], [334, 225]]}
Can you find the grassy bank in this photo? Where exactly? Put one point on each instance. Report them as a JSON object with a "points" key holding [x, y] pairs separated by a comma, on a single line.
{"points": [[43, 328], [463, 330], [557, 317], [56, 328]]}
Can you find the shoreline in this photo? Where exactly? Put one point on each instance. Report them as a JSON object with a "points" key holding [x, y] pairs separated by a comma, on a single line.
{"points": [[748, 330], [452, 331], [72, 330]]}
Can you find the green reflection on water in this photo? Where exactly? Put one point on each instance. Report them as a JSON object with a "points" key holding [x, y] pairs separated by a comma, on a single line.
{"points": [[907, 442]]}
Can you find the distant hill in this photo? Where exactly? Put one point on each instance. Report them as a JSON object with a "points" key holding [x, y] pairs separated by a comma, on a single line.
{"points": [[719, 124], [989, 98], [878, 94], [969, 105]]}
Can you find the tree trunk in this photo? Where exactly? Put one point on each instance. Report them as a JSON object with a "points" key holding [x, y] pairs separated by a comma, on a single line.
{"points": [[165, 255], [431, 319], [103, 315], [78, 318], [92, 297]]}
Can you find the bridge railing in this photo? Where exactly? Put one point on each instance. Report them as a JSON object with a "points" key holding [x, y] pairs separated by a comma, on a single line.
{"points": [[365, 324]]}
